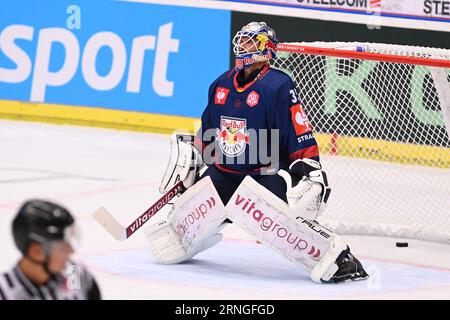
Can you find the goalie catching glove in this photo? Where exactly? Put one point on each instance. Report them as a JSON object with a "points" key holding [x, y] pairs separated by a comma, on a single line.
{"points": [[307, 188], [184, 164]]}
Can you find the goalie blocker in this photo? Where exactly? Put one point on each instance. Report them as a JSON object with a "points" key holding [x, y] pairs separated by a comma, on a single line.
{"points": [[197, 217]]}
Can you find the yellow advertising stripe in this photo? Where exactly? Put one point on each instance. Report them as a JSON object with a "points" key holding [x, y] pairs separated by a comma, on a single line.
{"points": [[97, 117], [141, 121], [385, 150]]}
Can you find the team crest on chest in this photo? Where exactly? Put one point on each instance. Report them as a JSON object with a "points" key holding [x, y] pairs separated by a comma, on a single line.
{"points": [[232, 136], [221, 95], [252, 99]]}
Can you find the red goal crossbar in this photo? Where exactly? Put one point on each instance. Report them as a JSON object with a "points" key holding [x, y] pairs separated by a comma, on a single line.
{"points": [[363, 55]]}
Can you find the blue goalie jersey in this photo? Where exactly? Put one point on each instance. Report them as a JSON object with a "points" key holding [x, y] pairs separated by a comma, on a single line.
{"points": [[261, 124]]}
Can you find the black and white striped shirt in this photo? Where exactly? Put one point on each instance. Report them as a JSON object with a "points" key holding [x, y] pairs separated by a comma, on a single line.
{"points": [[75, 283]]}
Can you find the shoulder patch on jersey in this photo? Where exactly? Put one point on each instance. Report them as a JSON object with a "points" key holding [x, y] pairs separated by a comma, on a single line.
{"points": [[221, 95], [300, 120], [252, 99]]}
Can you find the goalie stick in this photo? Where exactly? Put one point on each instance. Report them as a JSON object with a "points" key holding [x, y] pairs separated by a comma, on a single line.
{"points": [[121, 233]]}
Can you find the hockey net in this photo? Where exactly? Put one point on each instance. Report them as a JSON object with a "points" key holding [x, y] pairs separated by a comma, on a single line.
{"points": [[381, 114]]}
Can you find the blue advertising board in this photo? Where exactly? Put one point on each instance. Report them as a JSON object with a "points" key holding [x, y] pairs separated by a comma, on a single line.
{"points": [[112, 54]]}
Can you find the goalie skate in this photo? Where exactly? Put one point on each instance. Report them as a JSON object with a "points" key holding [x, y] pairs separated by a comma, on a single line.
{"points": [[349, 269]]}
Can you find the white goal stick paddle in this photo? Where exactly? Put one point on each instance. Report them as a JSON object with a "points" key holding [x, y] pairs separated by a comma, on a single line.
{"points": [[119, 232]]}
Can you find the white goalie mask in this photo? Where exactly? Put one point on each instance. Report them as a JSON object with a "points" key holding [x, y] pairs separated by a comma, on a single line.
{"points": [[255, 42]]}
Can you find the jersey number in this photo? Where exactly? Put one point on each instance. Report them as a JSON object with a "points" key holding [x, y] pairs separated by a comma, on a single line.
{"points": [[294, 96]]}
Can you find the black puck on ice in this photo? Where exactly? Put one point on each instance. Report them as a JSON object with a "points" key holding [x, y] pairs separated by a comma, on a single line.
{"points": [[401, 244]]}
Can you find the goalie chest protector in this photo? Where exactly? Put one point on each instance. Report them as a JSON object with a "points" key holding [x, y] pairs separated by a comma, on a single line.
{"points": [[266, 112]]}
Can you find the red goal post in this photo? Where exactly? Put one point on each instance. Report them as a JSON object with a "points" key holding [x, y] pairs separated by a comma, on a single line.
{"points": [[381, 116], [342, 53]]}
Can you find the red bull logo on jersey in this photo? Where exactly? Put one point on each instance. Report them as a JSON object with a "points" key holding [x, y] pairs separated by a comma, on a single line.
{"points": [[232, 136]]}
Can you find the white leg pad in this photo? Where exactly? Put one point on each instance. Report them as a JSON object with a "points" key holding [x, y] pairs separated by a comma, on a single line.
{"points": [[191, 227], [266, 217], [165, 243], [326, 267]]}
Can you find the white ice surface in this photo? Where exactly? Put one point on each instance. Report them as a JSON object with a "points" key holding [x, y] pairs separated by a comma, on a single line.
{"points": [[84, 168]]}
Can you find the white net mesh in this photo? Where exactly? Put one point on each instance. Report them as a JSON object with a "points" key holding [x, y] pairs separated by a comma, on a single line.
{"points": [[383, 129]]}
